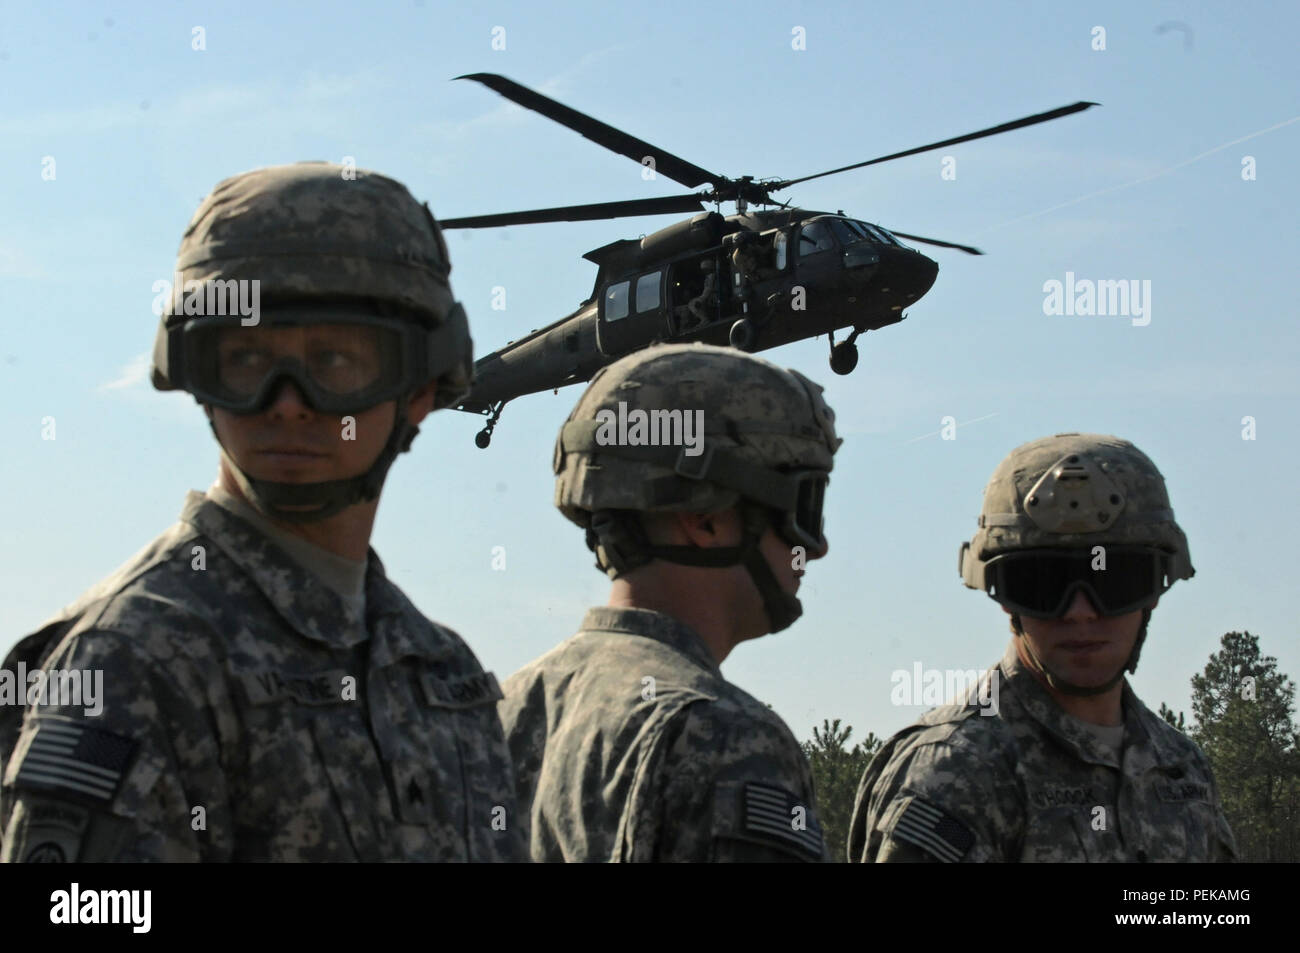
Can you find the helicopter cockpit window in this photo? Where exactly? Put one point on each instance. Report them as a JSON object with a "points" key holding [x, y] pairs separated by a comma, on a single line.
{"points": [[647, 292], [616, 301], [850, 231], [815, 237], [893, 239], [779, 243], [878, 233]]}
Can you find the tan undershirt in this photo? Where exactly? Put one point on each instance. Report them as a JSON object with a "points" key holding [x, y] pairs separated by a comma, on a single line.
{"points": [[1111, 737], [347, 577]]}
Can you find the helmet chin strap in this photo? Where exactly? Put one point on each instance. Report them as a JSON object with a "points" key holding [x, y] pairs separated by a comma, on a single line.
{"points": [[782, 607], [328, 497], [1070, 688], [608, 537]]}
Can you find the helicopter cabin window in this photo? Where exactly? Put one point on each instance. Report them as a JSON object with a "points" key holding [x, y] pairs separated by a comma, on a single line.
{"points": [[815, 237], [616, 301], [647, 292], [780, 242]]}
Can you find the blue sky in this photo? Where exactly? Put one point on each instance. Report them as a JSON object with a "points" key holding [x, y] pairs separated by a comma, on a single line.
{"points": [[141, 125]]}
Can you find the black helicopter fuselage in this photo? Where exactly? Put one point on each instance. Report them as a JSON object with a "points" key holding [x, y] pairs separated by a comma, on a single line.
{"points": [[758, 280], [754, 280]]}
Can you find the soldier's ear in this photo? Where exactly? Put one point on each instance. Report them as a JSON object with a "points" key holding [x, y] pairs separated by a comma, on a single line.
{"points": [[721, 528], [690, 527], [696, 529]]}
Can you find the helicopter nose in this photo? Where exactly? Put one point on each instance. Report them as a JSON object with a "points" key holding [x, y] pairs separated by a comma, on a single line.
{"points": [[924, 271], [911, 276]]}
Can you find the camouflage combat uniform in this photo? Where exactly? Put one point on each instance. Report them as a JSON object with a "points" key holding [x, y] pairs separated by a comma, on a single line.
{"points": [[250, 690], [631, 746], [1031, 783], [628, 743], [267, 699]]}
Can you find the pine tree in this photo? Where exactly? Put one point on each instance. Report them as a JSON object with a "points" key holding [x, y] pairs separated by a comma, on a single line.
{"points": [[1242, 707], [1167, 714], [836, 771]]}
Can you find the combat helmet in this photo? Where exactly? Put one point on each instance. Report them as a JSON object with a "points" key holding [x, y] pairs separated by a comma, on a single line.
{"points": [[1077, 504], [697, 428], [320, 244]]}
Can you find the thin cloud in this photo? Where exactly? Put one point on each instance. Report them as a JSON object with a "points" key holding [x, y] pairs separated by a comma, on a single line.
{"points": [[1145, 178], [134, 374], [955, 425], [16, 263]]}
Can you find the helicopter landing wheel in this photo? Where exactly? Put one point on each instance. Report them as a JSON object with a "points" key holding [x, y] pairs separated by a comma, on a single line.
{"points": [[484, 437], [844, 357], [743, 334]]}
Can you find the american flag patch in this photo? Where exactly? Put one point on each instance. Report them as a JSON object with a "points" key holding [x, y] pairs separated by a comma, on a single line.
{"points": [[69, 756], [934, 832], [772, 812]]}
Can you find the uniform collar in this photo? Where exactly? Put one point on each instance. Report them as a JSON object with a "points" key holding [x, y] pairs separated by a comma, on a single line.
{"points": [[652, 625], [309, 606], [1042, 707]]}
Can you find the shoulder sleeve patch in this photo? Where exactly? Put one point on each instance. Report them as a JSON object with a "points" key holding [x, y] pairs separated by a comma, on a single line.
{"points": [[940, 835], [45, 831], [72, 758], [770, 814]]}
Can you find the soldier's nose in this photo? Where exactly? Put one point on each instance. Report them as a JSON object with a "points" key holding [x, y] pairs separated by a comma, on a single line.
{"points": [[288, 400], [1081, 608]]}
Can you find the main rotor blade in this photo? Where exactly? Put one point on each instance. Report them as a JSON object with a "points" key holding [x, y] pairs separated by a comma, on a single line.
{"points": [[581, 213], [675, 168], [992, 131], [968, 249]]}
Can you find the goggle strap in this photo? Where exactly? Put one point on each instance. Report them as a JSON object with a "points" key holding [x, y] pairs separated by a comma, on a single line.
{"points": [[447, 344], [1016, 519], [716, 465], [306, 248]]}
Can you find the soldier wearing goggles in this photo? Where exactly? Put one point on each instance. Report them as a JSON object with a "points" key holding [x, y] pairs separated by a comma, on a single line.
{"points": [[270, 695], [628, 743], [1077, 543]]}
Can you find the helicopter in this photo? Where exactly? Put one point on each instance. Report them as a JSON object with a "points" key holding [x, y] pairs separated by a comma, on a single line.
{"points": [[753, 280]]}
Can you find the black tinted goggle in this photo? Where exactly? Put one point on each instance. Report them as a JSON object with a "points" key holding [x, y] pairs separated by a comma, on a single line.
{"points": [[1042, 583], [804, 525], [338, 367]]}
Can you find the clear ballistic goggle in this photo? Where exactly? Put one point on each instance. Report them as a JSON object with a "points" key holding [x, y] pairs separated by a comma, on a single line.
{"points": [[1042, 583], [339, 367]]}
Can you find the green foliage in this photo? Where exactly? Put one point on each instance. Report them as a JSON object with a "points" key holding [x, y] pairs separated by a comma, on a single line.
{"points": [[1243, 710], [1167, 714], [836, 771]]}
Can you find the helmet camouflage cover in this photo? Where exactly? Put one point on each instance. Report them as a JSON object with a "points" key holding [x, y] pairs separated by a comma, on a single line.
{"points": [[340, 239], [1073, 491], [320, 244], [758, 421]]}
